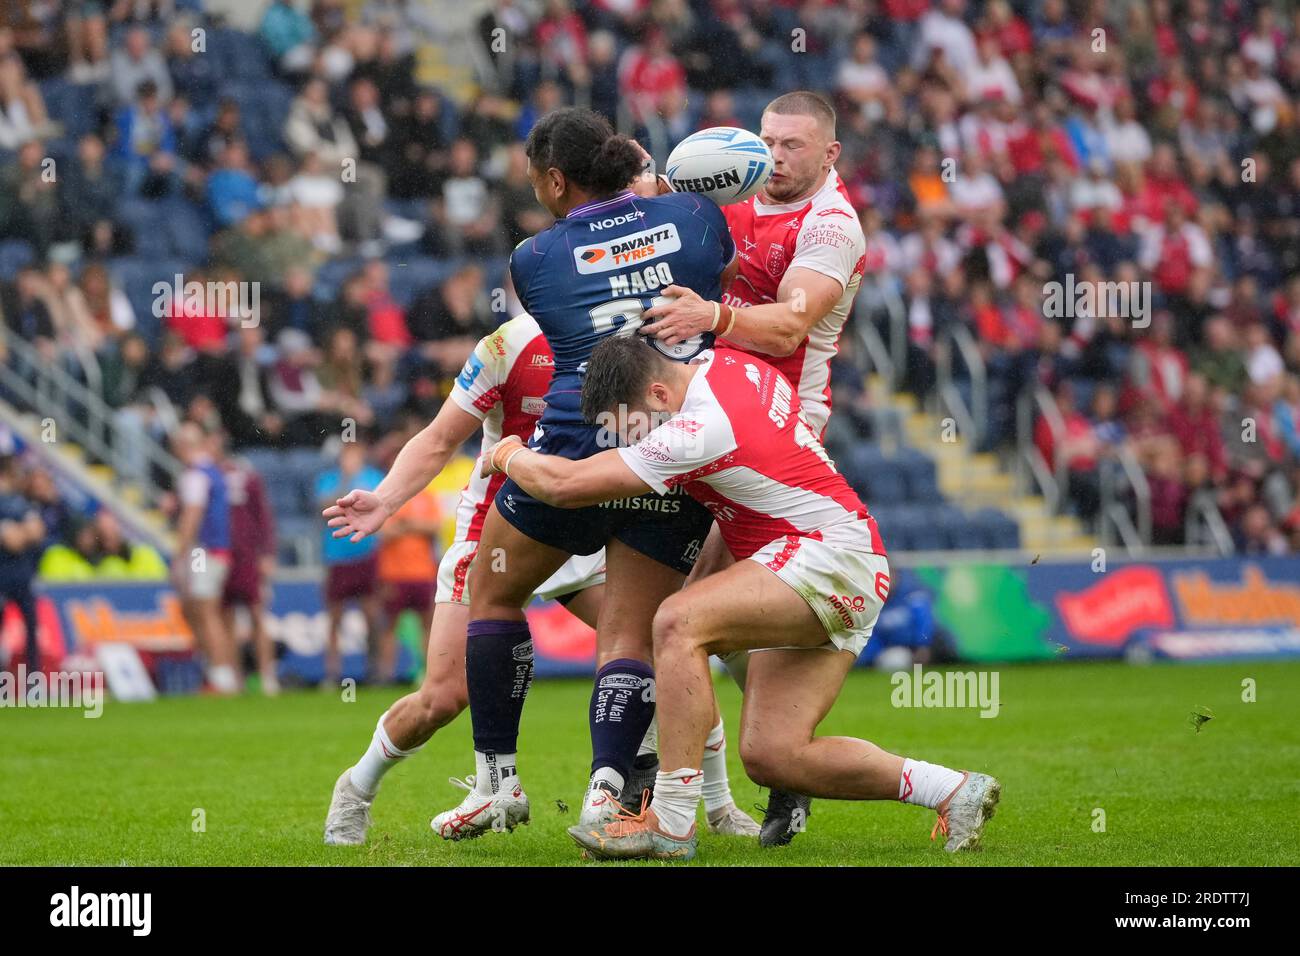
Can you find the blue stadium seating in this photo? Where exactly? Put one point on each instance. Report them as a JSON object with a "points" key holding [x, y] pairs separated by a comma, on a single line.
{"points": [[14, 255], [137, 275]]}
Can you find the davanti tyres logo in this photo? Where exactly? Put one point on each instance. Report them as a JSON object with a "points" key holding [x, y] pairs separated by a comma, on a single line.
{"points": [[593, 255]]}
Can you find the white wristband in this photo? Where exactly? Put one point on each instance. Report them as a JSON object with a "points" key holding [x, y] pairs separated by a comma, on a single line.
{"points": [[505, 465]]}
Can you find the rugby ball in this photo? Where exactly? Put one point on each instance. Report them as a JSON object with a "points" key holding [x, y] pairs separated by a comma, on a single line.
{"points": [[684, 350], [724, 163]]}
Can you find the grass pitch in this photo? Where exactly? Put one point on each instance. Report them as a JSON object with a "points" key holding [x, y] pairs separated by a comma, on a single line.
{"points": [[1070, 740]]}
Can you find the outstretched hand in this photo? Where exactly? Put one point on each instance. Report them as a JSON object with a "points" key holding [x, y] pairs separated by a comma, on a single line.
{"points": [[358, 513]]}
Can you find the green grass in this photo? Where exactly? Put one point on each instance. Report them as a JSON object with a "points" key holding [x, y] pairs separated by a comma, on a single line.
{"points": [[1070, 738]]}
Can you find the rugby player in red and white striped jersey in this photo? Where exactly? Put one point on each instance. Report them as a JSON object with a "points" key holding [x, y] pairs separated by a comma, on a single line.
{"points": [[801, 252], [501, 390], [809, 579]]}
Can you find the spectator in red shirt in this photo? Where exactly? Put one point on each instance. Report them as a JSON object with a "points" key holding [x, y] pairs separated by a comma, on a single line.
{"points": [[1175, 251], [1168, 494], [562, 38], [1194, 423], [1159, 369], [1164, 183], [1012, 34], [649, 74], [385, 319], [1173, 94], [197, 316], [1077, 447]]}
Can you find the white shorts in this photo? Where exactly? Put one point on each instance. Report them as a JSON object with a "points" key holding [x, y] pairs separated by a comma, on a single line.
{"points": [[577, 574], [208, 583], [846, 589]]}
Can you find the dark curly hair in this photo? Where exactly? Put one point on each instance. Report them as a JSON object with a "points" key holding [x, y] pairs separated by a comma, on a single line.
{"points": [[582, 145]]}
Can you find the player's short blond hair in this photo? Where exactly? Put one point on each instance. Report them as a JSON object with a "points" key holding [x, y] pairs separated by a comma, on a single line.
{"points": [[806, 103]]}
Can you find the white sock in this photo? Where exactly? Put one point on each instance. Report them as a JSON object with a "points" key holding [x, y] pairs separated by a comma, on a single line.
{"points": [[224, 678], [717, 792], [677, 797], [650, 742], [926, 784], [609, 776], [492, 770], [380, 757]]}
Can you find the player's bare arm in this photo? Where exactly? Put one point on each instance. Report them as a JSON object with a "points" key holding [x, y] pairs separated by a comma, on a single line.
{"points": [[360, 513], [774, 328], [561, 482]]}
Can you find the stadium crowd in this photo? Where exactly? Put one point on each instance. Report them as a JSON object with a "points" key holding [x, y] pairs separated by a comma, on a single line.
{"points": [[990, 147]]}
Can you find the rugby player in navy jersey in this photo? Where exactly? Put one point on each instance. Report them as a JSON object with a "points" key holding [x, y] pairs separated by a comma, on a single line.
{"points": [[589, 276]]}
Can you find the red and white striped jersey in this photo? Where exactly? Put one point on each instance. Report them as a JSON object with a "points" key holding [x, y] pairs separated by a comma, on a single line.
{"points": [[821, 233], [741, 447], [503, 384]]}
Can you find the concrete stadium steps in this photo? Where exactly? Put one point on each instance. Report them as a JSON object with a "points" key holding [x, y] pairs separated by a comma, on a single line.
{"points": [[455, 78], [978, 479]]}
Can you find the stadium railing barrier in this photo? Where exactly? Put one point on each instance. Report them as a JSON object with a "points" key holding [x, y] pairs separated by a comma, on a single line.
{"points": [[1123, 481], [972, 419], [46, 389], [1034, 473]]}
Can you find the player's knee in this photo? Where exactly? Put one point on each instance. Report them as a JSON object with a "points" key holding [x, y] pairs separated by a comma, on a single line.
{"points": [[441, 702], [493, 593], [671, 630], [759, 766]]}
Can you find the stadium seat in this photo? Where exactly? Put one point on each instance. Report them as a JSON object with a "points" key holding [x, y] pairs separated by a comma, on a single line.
{"points": [[920, 475], [146, 221], [72, 104], [14, 255], [883, 484], [137, 275], [410, 276], [331, 276], [999, 530], [186, 229]]}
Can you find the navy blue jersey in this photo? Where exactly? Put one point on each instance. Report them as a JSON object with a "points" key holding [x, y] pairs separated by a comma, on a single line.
{"points": [[594, 272]]}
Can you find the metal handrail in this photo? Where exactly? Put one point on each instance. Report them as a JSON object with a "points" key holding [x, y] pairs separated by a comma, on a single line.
{"points": [[1049, 477], [898, 331], [1135, 535], [868, 336], [875, 294], [55, 392], [1205, 521], [971, 420]]}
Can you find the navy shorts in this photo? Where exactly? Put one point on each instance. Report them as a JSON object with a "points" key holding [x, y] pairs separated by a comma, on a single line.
{"points": [[668, 528]]}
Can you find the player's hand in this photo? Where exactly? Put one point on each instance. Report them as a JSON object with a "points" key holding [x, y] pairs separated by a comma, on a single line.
{"points": [[494, 461], [685, 316], [358, 513]]}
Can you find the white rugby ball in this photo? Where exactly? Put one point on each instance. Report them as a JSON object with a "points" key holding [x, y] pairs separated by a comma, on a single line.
{"points": [[724, 163]]}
